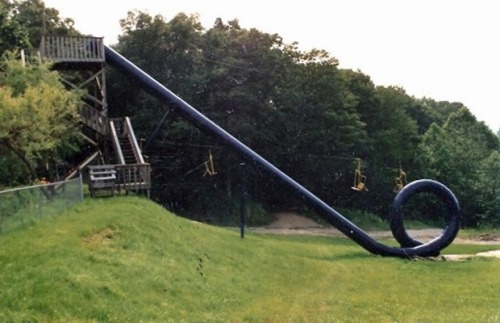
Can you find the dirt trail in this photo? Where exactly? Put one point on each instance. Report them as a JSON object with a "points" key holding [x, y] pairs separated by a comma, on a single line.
{"points": [[291, 223]]}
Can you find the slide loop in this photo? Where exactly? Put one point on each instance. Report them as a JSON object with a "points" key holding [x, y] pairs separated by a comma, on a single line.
{"points": [[453, 212]]}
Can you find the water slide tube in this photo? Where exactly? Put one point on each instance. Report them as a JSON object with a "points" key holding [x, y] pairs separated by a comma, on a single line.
{"points": [[409, 247]]}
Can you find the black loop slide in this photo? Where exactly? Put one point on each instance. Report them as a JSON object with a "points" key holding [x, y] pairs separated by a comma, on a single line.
{"points": [[429, 186], [409, 247]]}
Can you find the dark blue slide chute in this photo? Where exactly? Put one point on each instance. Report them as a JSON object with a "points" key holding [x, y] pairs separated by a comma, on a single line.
{"points": [[409, 247]]}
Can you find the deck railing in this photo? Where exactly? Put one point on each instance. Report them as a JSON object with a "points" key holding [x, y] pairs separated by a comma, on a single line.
{"points": [[94, 119], [133, 177], [130, 177], [72, 48]]}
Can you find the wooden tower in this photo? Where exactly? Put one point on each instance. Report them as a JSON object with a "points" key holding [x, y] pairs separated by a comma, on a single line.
{"points": [[116, 161]]}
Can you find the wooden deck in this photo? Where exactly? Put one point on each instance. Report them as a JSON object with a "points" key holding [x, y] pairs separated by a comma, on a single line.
{"points": [[114, 178], [82, 49]]}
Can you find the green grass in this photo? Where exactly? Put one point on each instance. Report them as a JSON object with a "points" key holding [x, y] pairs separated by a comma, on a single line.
{"points": [[125, 259]]}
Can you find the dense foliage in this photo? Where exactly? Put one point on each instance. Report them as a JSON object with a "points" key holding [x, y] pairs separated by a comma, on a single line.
{"points": [[297, 109], [301, 112], [38, 115], [22, 24]]}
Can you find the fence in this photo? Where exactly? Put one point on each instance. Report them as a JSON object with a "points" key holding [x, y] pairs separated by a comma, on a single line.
{"points": [[22, 207]]}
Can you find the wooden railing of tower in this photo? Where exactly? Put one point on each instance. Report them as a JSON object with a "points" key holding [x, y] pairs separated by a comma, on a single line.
{"points": [[87, 53], [72, 49], [94, 119]]}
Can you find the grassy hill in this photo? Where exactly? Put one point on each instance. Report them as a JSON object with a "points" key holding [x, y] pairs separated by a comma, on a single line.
{"points": [[127, 259]]}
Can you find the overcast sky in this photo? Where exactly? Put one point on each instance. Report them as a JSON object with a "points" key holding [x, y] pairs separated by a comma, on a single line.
{"points": [[441, 49]]}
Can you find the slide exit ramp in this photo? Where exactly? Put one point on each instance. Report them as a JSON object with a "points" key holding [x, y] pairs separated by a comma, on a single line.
{"points": [[409, 247]]}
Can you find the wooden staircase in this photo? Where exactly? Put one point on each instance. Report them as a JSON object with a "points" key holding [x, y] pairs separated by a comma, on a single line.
{"points": [[125, 141], [121, 162], [128, 153]]}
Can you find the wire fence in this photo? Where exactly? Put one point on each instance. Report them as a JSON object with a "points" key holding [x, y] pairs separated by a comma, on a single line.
{"points": [[23, 207]]}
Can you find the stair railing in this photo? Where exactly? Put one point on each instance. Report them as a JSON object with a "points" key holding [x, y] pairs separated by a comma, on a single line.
{"points": [[129, 132], [116, 143]]}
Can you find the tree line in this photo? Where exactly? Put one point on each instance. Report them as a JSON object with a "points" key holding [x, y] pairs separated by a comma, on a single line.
{"points": [[38, 115], [315, 121]]}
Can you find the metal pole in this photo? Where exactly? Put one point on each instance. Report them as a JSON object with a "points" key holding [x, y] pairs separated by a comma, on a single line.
{"points": [[243, 195], [40, 202]]}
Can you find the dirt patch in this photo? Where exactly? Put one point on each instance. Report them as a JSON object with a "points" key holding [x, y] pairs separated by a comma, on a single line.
{"points": [[489, 237], [102, 238], [292, 223]]}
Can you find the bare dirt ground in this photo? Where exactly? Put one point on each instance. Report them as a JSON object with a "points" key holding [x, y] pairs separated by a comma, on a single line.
{"points": [[291, 223]]}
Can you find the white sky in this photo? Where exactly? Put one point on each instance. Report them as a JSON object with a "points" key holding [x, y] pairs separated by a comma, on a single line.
{"points": [[441, 49]]}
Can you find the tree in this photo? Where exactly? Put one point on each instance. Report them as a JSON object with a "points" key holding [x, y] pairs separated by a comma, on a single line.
{"points": [[12, 34], [426, 111], [461, 154], [167, 50], [23, 23], [297, 109], [39, 116], [239, 78], [391, 137], [488, 188], [39, 21], [393, 128]]}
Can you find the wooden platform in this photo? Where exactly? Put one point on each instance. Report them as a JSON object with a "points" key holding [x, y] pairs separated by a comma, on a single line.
{"points": [[112, 179], [82, 49]]}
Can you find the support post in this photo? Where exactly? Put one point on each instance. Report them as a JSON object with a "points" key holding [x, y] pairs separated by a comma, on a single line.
{"points": [[40, 202], [243, 195]]}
